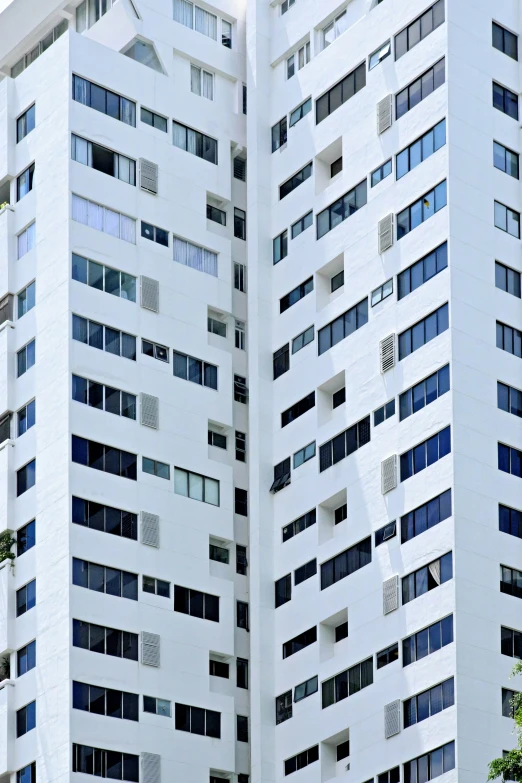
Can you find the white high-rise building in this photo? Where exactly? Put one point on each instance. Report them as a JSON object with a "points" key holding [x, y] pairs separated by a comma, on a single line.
{"points": [[306, 317]]}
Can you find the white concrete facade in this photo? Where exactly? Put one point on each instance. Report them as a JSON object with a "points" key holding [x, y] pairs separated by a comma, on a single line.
{"points": [[264, 36]]}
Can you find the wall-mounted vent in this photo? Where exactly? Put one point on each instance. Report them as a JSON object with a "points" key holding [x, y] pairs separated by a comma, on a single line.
{"points": [[149, 529], [150, 768], [149, 410], [389, 474], [385, 233], [384, 114], [149, 294], [390, 595], [148, 176], [387, 353], [150, 648], [392, 718]]}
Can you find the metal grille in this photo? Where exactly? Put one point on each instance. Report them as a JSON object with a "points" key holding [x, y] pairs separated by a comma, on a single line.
{"points": [[390, 595], [150, 768], [392, 718], [149, 529], [150, 649], [149, 410], [148, 176], [385, 233], [384, 114], [387, 353], [149, 293], [389, 474]]}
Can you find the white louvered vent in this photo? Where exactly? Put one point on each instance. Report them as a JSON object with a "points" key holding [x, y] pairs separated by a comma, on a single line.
{"points": [[148, 176], [149, 529], [385, 233], [150, 768], [388, 474], [149, 290], [149, 409], [150, 648], [387, 353], [390, 595], [384, 114], [392, 718]]}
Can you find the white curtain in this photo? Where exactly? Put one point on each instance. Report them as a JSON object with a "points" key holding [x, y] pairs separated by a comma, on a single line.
{"points": [[210, 265], [80, 209], [434, 569], [95, 216], [195, 257], [195, 79], [128, 229], [341, 24], [180, 251], [183, 12], [82, 151], [122, 169], [211, 491], [22, 244], [31, 236], [179, 136], [191, 141], [206, 23], [208, 85], [81, 17], [111, 222], [80, 90], [128, 112]]}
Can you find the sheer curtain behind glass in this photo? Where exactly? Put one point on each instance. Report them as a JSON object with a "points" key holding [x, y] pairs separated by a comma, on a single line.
{"points": [[206, 23], [183, 12]]}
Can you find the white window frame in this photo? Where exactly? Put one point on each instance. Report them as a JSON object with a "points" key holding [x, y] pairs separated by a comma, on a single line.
{"points": [[335, 27], [201, 79], [298, 60]]}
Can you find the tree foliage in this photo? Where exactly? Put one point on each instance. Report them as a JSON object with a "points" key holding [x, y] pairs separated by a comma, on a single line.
{"points": [[509, 767]]}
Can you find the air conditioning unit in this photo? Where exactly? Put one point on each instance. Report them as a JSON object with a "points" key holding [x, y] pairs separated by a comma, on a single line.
{"points": [[149, 176], [385, 233], [387, 353], [388, 474], [384, 114], [390, 594]]}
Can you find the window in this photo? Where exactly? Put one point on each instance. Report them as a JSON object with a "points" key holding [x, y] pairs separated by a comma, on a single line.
{"points": [[509, 399], [347, 683], [226, 34], [26, 719], [280, 247], [508, 706], [26, 658], [424, 393], [428, 703], [337, 281], [102, 159], [511, 642], [505, 159], [192, 485], [343, 326], [144, 53], [300, 112], [341, 632], [418, 90], [303, 339], [427, 578], [26, 240], [423, 270], [240, 446], [302, 760], [335, 28], [294, 182], [305, 572], [104, 278], [507, 220], [425, 454], [105, 701], [201, 82], [104, 579], [155, 351], [103, 100], [340, 514], [420, 150], [285, 5], [154, 120], [419, 29], [157, 706], [299, 525], [105, 458], [341, 209], [341, 92], [240, 277], [336, 167], [387, 656], [242, 615], [240, 168], [296, 295], [426, 516], [218, 669], [241, 560], [156, 586], [26, 598], [505, 41], [283, 705], [298, 60], [216, 215], [25, 478], [96, 395], [16, 70], [391, 776], [155, 468], [239, 223], [242, 728], [506, 101], [305, 689], [279, 134], [343, 750], [190, 369], [105, 763], [105, 338], [241, 502], [24, 182], [421, 210], [302, 224], [381, 173], [298, 409], [103, 219], [195, 257], [507, 279], [218, 553], [382, 292], [379, 55], [155, 234], [344, 444], [25, 538], [346, 563], [510, 521], [509, 339], [511, 581], [299, 642], [510, 460], [283, 590], [339, 397], [282, 475], [303, 455], [385, 532], [217, 440], [196, 143], [196, 603], [431, 765], [216, 327], [427, 641], [198, 721], [89, 12], [240, 389], [106, 641], [26, 417], [424, 331], [384, 412], [281, 361], [25, 123]]}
